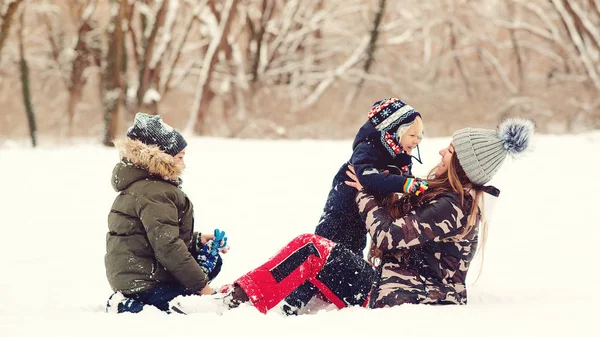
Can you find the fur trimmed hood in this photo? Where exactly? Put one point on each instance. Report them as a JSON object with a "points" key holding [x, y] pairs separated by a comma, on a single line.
{"points": [[150, 158]]}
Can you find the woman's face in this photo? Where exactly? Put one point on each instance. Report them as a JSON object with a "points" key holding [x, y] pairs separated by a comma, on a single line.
{"points": [[412, 137], [446, 154], [179, 158]]}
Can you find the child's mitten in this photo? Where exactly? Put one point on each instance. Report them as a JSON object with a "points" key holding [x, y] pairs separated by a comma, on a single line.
{"points": [[415, 186], [206, 259]]}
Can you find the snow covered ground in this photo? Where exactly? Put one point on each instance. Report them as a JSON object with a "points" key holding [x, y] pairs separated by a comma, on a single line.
{"points": [[540, 276]]}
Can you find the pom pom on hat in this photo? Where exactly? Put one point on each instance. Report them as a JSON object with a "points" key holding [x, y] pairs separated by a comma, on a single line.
{"points": [[515, 134]]}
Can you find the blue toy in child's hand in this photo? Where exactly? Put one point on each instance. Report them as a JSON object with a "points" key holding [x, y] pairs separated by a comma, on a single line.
{"points": [[207, 258], [220, 236]]}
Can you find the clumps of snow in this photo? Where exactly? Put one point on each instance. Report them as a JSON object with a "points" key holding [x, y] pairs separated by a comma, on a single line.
{"points": [[131, 94], [112, 95], [200, 304], [151, 96]]}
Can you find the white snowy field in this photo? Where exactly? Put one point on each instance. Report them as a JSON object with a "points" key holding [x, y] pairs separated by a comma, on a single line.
{"points": [[540, 277]]}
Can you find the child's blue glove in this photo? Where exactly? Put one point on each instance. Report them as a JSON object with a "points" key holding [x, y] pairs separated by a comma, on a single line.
{"points": [[207, 257]]}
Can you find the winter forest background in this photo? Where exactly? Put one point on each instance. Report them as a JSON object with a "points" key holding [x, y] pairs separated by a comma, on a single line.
{"points": [[294, 69]]}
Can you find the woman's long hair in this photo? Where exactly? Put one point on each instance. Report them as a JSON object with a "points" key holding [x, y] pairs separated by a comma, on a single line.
{"points": [[454, 180]]}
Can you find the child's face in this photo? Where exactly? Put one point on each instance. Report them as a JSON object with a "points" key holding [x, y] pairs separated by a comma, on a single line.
{"points": [[179, 158], [412, 137]]}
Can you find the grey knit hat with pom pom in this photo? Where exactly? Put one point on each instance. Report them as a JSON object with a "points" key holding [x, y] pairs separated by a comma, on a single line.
{"points": [[481, 152]]}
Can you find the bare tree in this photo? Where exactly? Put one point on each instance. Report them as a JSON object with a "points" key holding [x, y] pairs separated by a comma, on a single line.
{"points": [[516, 46], [148, 65], [291, 51], [11, 8], [73, 59], [157, 52], [370, 53], [563, 40], [217, 43], [112, 86], [25, 84], [173, 72], [278, 68], [576, 29]]}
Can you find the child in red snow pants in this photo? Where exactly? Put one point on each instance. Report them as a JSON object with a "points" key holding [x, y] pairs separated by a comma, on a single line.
{"points": [[343, 277]]}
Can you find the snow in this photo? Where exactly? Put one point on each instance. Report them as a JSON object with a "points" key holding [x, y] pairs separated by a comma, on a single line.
{"points": [[151, 96], [131, 93], [112, 95], [89, 10], [171, 15], [539, 278]]}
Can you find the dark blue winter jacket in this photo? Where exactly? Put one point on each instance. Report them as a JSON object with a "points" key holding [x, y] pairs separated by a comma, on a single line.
{"points": [[340, 221]]}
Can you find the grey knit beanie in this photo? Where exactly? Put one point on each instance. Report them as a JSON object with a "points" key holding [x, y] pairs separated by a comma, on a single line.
{"points": [[481, 152], [151, 130]]}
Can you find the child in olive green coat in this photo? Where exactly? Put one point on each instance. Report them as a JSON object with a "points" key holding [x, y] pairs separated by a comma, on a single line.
{"points": [[152, 252]]}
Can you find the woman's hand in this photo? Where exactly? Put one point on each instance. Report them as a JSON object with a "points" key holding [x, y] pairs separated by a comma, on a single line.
{"points": [[354, 183]]}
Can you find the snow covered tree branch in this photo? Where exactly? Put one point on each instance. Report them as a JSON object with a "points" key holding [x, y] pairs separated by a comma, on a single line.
{"points": [[7, 13]]}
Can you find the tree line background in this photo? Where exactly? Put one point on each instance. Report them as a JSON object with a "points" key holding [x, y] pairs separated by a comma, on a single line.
{"points": [[294, 68]]}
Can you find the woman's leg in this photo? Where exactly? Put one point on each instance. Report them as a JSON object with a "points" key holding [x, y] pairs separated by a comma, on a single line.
{"points": [[339, 274]]}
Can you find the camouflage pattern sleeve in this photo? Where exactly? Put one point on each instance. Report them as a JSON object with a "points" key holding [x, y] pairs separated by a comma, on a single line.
{"points": [[439, 219]]}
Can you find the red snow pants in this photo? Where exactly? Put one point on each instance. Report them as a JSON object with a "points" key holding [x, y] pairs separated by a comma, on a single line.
{"points": [[343, 277]]}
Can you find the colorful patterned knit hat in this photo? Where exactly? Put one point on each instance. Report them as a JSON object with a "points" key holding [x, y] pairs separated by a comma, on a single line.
{"points": [[387, 116]]}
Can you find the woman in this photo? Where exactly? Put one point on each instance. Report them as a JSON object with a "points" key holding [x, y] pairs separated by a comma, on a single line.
{"points": [[423, 244], [152, 252]]}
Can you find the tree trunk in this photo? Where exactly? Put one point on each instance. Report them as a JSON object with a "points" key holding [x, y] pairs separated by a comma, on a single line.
{"points": [[74, 98], [267, 9], [79, 65], [6, 21], [370, 57], [25, 87], [458, 62], [516, 47], [112, 74], [147, 72]]}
